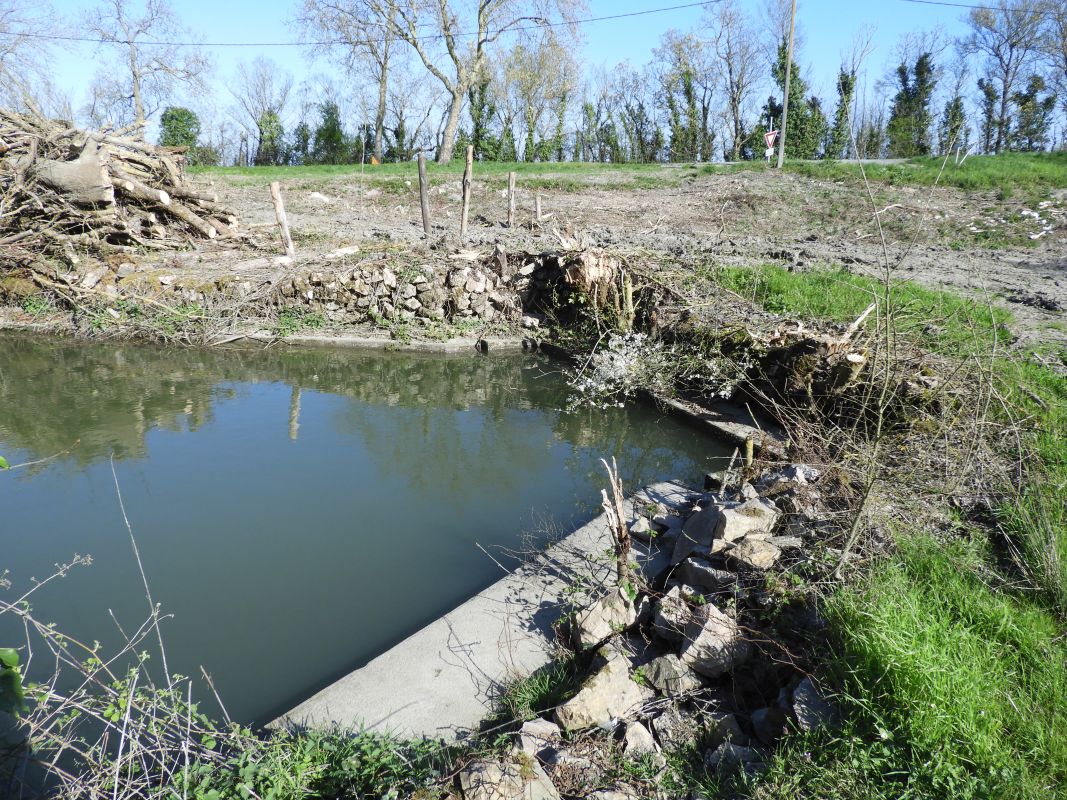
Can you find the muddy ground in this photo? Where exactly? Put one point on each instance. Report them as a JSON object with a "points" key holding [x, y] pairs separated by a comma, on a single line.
{"points": [[1012, 251]]}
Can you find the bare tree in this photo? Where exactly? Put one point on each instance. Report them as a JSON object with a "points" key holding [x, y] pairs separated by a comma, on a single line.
{"points": [[536, 80], [369, 43], [737, 67], [1054, 45], [24, 80], [151, 69], [262, 91], [454, 45], [1006, 36]]}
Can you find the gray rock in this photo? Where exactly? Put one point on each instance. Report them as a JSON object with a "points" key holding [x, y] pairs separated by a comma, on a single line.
{"points": [[786, 542], [671, 615], [538, 736], [697, 533], [699, 573], [667, 522], [671, 676], [640, 529], [389, 278], [676, 727], [612, 794], [811, 709], [755, 553], [728, 757], [408, 290], [723, 727], [609, 694], [714, 481], [637, 740], [611, 614], [769, 724], [94, 276], [748, 491], [713, 642], [491, 780], [738, 520], [527, 269], [125, 270]]}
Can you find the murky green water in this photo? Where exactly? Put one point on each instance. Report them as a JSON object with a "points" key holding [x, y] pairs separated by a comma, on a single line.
{"points": [[297, 511]]}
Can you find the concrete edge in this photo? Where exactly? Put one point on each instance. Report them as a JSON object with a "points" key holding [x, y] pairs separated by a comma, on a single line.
{"points": [[441, 681]]}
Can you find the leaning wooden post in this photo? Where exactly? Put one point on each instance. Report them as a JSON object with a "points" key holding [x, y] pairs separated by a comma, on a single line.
{"points": [[511, 199], [749, 448], [283, 222], [424, 194], [466, 191]]}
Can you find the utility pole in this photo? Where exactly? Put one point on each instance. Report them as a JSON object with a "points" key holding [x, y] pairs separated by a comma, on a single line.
{"points": [[785, 98]]}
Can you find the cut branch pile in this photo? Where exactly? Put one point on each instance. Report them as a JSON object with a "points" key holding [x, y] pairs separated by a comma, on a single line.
{"points": [[64, 191]]}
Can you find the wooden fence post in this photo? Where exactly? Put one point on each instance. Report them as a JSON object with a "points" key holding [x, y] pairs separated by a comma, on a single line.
{"points": [[283, 221], [424, 194], [466, 192], [537, 207]]}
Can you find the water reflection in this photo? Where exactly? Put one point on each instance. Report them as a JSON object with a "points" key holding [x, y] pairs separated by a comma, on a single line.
{"points": [[332, 501]]}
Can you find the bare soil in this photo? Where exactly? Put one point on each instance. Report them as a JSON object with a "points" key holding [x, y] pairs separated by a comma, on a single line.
{"points": [[972, 243]]}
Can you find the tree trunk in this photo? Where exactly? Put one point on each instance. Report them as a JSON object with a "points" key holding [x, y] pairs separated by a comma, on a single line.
{"points": [[448, 138], [379, 117], [84, 180]]}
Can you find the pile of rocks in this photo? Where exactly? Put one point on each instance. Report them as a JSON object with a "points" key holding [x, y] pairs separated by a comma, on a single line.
{"points": [[682, 663]]}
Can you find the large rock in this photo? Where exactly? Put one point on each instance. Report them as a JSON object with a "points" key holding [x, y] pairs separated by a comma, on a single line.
{"points": [[671, 615], [611, 614], [722, 727], [638, 741], [738, 520], [538, 736], [728, 757], [811, 709], [492, 780], [671, 676], [697, 532], [755, 553], [700, 573], [713, 642], [610, 694], [676, 726]]}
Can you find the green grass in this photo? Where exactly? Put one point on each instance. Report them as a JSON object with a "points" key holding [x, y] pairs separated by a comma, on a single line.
{"points": [[937, 320], [955, 689], [295, 319], [956, 676], [563, 176], [321, 764], [1006, 173]]}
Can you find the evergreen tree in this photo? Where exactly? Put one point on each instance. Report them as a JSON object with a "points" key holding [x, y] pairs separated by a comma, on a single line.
{"points": [[990, 99], [1033, 116], [838, 139], [331, 145], [952, 131], [179, 127], [910, 119], [804, 131], [300, 145], [270, 149]]}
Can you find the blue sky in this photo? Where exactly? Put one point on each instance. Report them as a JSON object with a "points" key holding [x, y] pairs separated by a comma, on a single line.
{"points": [[828, 28]]}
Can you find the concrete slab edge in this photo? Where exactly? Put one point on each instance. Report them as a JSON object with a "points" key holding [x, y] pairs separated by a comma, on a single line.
{"points": [[441, 681]]}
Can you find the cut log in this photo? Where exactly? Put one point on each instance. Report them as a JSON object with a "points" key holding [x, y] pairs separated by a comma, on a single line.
{"points": [[84, 181], [198, 224], [132, 187]]}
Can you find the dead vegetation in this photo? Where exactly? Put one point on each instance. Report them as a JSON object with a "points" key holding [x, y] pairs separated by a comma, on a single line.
{"points": [[68, 192]]}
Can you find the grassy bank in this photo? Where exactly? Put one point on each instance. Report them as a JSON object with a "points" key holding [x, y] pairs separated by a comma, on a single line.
{"points": [[950, 654], [1007, 173]]}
